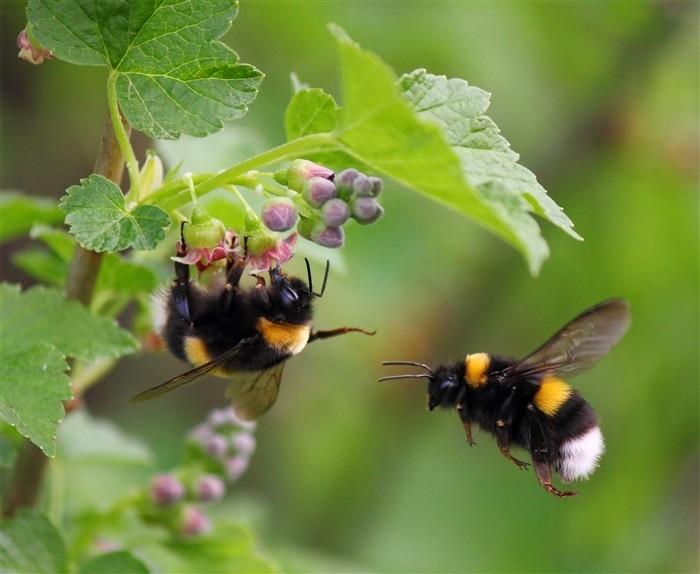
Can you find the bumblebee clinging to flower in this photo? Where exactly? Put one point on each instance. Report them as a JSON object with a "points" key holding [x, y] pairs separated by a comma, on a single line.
{"points": [[245, 334], [527, 402]]}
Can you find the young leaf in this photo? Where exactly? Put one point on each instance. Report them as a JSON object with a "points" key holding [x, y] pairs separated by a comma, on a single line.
{"points": [[41, 265], [173, 75], [33, 386], [486, 157], [18, 212], [101, 221], [30, 544], [119, 562], [310, 111]]}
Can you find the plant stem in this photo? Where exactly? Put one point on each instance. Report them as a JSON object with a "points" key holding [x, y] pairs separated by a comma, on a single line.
{"points": [[176, 194], [30, 467], [122, 137]]}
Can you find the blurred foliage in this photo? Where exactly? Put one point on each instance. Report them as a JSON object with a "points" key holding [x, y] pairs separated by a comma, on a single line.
{"points": [[602, 102]]}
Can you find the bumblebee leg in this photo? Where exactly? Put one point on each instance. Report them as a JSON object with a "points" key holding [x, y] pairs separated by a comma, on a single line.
{"points": [[504, 421], [540, 460], [181, 285], [466, 422], [335, 332]]}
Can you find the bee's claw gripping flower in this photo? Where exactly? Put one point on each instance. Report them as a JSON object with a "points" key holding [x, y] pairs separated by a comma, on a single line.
{"points": [[279, 214], [30, 50], [206, 240], [166, 490], [301, 170]]}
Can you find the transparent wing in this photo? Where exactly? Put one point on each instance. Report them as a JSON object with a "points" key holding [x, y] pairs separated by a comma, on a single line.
{"points": [[252, 394], [191, 375], [579, 344]]}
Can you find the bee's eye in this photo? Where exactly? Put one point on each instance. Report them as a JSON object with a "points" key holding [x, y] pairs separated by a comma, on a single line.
{"points": [[289, 294]]}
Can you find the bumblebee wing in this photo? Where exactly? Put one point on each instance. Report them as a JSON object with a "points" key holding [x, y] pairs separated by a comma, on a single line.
{"points": [[252, 394], [191, 375], [579, 344]]}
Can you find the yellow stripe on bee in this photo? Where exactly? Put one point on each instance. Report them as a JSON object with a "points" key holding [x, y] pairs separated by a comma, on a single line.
{"points": [[475, 368], [551, 395], [197, 354], [286, 336]]}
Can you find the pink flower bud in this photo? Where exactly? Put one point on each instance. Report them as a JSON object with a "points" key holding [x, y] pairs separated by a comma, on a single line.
{"points": [[194, 522], [362, 186], [244, 443], [301, 170], [328, 236], [318, 190], [366, 210], [236, 466], [216, 446], [377, 185], [279, 214], [335, 212], [344, 180], [221, 417], [210, 487], [166, 489], [30, 50]]}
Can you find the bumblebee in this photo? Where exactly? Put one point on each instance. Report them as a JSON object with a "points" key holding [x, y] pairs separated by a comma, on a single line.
{"points": [[244, 334], [528, 402]]}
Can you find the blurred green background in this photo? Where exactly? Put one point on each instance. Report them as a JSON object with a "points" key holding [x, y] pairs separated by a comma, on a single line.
{"points": [[601, 100]]}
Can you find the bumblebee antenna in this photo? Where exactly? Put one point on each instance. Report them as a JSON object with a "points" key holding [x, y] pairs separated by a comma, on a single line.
{"points": [[325, 278], [397, 377], [413, 363]]}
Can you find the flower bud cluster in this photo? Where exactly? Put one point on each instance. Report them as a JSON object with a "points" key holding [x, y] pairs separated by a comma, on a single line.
{"points": [[222, 446], [333, 199]]}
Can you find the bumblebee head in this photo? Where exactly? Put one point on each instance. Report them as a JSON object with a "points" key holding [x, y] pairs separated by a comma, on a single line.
{"points": [[444, 381], [289, 298]]}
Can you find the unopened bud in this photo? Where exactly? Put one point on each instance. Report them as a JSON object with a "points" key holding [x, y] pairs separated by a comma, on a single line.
{"points": [[210, 487], [30, 50], [318, 190], [236, 466], [329, 236], [216, 445], [362, 186], [366, 210], [244, 443], [344, 180], [377, 185], [335, 212], [203, 230], [279, 214], [151, 174], [301, 170], [166, 489], [193, 522]]}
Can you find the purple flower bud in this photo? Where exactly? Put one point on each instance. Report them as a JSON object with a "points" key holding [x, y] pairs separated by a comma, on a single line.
{"points": [[335, 212], [279, 214], [328, 236], [377, 185], [194, 522], [301, 170], [318, 190], [236, 466], [366, 210], [210, 487], [244, 443], [228, 416], [362, 186], [345, 178], [216, 446], [166, 489], [30, 50]]}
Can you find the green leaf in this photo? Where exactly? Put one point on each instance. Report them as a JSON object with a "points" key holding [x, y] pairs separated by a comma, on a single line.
{"points": [[33, 386], [310, 111], [19, 212], [41, 265], [100, 220], [120, 562], [30, 544], [227, 548], [486, 157], [379, 128], [173, 75], [44, 315]]}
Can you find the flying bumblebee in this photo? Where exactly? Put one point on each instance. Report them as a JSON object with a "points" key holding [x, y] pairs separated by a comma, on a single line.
{"points": [[527, 402], [233, 332]]}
